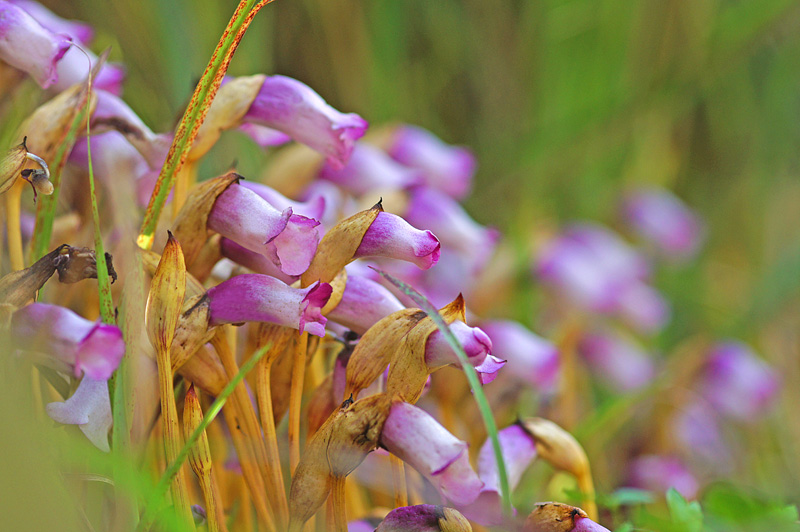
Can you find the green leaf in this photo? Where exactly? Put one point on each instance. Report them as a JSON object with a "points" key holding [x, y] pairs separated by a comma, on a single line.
{"points": [[686, 514]]}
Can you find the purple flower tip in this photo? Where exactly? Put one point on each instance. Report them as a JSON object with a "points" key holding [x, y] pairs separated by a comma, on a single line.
{"points": [[584, 524], [311, 320], [391, 236]]}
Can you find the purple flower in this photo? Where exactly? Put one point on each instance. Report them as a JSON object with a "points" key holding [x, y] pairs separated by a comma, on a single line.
{"points": [[421, 518], [584, 524], [419, 440], [665, 221], [444, 167], [71, 343], [738, 383], [519, 450], [26, 45], [449, 221], [294, 108], [697, 429], [74, 67], [531, 358], [364, 303], [255, 262], [255, 297], [264, 136], [89, 408], [392, 237], [643, 307], [360, 526], [313, 207], [78, 30], [369, 170], [660, 473], [476, 345], [289, 240], [619, 362]]}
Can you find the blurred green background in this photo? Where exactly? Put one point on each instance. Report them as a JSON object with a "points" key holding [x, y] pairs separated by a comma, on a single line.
{"points": [[565, 103]]}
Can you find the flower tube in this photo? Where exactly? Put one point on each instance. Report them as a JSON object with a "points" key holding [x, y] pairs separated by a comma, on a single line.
{"points": [[76, 29], [71, 343], [364, 303], [89, 408], [26, 45], [444, 167], [368, 170], [392, 237], [476, 344], [254, 297], [256, 262], [531, 358], [622, 364], [313, 207], [419, 440], [289, 240], [519, 450], [294, 108], [663, 220], [738, 383]]}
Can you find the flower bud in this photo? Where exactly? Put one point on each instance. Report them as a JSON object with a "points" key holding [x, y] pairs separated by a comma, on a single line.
{"points": [[165, 298], [200, 454], [557, 446]]}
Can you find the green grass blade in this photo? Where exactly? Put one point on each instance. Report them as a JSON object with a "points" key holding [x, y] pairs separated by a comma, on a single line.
{"points": [[158, 493], [472, 378]]}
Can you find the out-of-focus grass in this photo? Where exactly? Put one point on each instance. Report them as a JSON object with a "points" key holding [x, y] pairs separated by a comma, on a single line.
{"points": [[565, 104]]}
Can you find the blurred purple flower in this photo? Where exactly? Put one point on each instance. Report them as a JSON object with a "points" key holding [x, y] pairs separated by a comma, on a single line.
{"points": [[446, 168], [738, 383], [25, 44], [292, 107], [255, 297], [71, 343], [531, 359], [89, 408], [622, 364], [370, 170], [665, 221], [419, 440], [660, 473]]}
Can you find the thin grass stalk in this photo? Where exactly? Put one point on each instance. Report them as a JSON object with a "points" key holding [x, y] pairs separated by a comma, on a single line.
{"points": [[399, 481], [248, 420], [216, 494], [296, 397], [472, 378], [156, 496], [338, 503], [14, 231], [195, 113]]}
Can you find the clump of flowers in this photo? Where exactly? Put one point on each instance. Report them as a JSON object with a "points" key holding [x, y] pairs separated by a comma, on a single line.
{"points": [[287, 304]]}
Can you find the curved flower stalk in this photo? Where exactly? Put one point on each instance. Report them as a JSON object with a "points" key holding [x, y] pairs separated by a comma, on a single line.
{"points": [[71, 343], [444, 167], [26, 45], [289, 240], [89, 408], [661, 473], [364, 303], [423, 518], [292, 107], [419, 440], [531, 359], [370, 170], [519, 451], [622, 364], [738, 383], [557, 517], [663, 220], [254, 297]]}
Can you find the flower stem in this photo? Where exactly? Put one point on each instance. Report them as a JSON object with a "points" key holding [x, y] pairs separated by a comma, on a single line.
{"points": [[14, 232], [337, 498], [399, 481], [295, 398]]}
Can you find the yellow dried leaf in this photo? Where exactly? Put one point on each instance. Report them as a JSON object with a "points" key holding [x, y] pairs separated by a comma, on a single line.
{"points": [[165, 299]]}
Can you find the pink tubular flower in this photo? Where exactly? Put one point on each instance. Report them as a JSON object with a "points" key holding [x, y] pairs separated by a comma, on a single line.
{"points": [[255, 262], [255, 297], [444, 167], [660, 473], [76, 29], [665, 221], [450, 222], [476, 345], [519, 451], [392, 237], [26, 45], [74, 67], [531, 358], [364, 303], [70, 342], [313, 207], [643, 307], [619, 362], [738, 383], [289, 240], [419, 440], [89, 408], [264, 136], [584, 524], [369, 170], [294, 108]]}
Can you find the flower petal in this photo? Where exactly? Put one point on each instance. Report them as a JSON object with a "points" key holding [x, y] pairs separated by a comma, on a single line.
{"points": [[391, 236], [89, 408]]}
